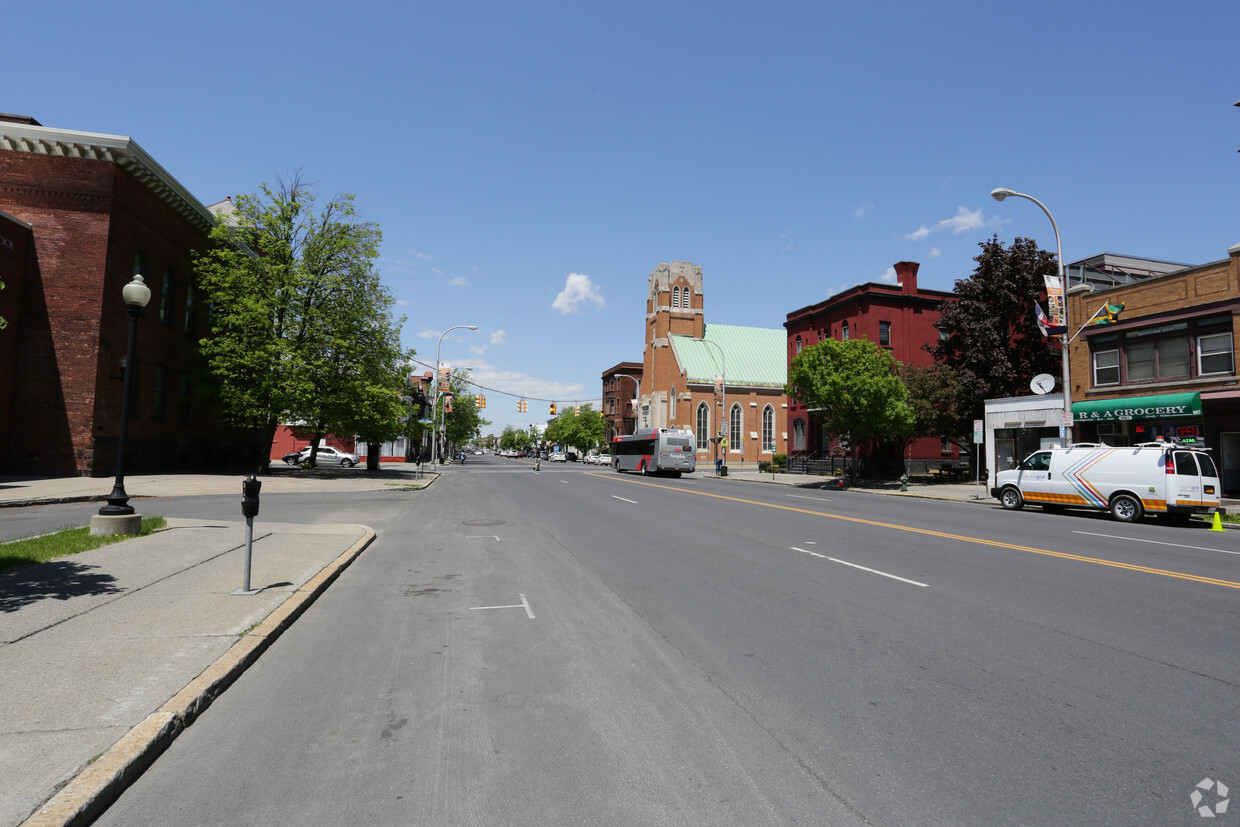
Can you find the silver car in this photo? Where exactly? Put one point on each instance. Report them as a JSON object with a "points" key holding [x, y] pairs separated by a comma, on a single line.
{"points": [[327, 456]]}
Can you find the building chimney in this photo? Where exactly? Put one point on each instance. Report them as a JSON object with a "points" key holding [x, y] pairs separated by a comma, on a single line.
{"points": [[906, 275]]}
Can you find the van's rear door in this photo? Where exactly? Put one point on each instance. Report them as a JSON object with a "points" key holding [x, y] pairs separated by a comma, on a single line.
{"points": [[1195, 480]]}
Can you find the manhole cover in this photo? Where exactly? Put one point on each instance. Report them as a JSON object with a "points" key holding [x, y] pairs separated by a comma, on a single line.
{"points": [[484, 522]]}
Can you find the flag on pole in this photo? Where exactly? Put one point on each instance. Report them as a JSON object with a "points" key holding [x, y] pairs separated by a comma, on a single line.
{"points": [[1107, 314], [1044, 324]]}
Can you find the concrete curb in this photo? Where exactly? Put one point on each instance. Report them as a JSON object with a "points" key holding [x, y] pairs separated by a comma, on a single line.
{"points": [[89, 793]]}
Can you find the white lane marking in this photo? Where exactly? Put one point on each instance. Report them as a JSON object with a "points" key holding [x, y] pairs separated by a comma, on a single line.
{"points": [[524, 604], [862, 568], [1155, 542], [564, 481], [482, 537], [817, 499], [614, 497]]}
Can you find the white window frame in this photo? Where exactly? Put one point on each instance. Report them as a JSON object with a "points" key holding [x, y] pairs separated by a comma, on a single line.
{"points": [[1098, 382], [768, 429], [1202, 353], [736, 427], [703, 426]]}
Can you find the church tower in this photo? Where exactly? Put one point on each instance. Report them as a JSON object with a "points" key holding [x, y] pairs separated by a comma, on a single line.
{"points": [[674, 306]]}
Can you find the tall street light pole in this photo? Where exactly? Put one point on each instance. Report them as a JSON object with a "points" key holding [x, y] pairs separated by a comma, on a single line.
{"points": [[723, 381], [118, 517], [435, 439], [1065, 429], [637, 392]]}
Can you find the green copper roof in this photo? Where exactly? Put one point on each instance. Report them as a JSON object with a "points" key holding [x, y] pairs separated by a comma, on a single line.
{"points": [[753, 356]]}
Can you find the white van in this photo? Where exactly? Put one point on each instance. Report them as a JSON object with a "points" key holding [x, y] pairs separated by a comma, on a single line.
{"points": [[1167, 479]]}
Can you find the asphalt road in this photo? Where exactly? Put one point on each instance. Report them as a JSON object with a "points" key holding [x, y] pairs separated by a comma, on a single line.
{"points": [[578, 646]]}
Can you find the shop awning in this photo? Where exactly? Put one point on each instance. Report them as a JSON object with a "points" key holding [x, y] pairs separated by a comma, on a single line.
{"points": [[1167, 406]]}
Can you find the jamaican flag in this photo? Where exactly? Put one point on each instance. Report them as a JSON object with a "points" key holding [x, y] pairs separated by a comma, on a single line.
{"points": [[1107, 314]]}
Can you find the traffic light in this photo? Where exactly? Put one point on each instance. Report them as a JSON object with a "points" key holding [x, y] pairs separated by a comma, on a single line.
{"points": [[522, 406], [553, 409], [482, 401], [576, 411]]}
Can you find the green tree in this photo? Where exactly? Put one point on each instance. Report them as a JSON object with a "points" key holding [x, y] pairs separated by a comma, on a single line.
{"points": [[582, 428], [465, 421], [991, 337], [940, 402], [300, 324], [857, 387]]}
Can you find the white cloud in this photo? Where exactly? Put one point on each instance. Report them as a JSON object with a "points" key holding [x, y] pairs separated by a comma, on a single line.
{"points": [[422, 256], [458, 281], [787, 239], [935, 252], [578, 290], [861, 211], [889, 275], [437, 271], [499, 337], [478, 350], [963, 221], [427, 333]]}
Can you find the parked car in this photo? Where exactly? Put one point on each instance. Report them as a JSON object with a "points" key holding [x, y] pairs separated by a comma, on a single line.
{"points": [[572, 456], [559, 456], [327, 456]]}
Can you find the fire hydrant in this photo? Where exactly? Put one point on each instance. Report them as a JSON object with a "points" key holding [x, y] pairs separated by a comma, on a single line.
{"points": [[904, 482]]}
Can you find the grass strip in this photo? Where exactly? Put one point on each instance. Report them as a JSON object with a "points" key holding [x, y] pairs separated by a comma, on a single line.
{"points": [[67, 541]]}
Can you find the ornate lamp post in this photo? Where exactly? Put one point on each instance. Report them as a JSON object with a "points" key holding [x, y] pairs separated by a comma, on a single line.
{"points": [[435, 441], [118, 517], [1065, 430]]}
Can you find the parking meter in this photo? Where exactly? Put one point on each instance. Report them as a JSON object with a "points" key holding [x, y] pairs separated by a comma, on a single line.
{"points": [[249, 496]]}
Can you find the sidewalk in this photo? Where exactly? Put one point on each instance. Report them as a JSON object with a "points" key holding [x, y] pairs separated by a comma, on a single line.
{"points": [[107, 655]]}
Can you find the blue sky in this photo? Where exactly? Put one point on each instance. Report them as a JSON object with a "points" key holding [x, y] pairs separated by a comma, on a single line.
{"points": [[531, 163]]}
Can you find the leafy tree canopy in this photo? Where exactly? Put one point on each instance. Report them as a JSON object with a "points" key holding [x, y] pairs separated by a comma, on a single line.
{"points": [[300, 325], [992, 338], [941, 403], [856, 385], [583, 429]]}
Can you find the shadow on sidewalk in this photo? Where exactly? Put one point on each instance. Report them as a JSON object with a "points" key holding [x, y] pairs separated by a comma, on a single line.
{"points": [[52, 580]]}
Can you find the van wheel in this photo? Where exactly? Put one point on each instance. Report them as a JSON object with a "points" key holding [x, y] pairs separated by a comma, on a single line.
{"points": [[1126, 508], [1011, 499]]}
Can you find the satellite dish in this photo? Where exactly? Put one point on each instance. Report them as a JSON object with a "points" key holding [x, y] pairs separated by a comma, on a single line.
{"points": [[1042, 383]]}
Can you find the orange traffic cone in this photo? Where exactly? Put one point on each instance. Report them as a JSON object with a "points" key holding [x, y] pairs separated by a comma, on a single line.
{"points": [[1218, 523]]}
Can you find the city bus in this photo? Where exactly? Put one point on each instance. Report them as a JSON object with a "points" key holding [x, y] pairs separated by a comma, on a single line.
{"points": [[655, 451]]}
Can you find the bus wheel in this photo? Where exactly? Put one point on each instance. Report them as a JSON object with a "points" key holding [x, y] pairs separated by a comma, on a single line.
{"points": [[1011, 499], [1126, 508]]}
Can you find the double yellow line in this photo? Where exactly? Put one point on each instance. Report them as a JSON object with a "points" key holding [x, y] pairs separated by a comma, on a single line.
{"points": [[1213, 581]]}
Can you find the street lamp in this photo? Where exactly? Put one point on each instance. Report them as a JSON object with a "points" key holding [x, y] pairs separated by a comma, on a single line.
{"points": [[637, 392], [723, 381], [1065, 429], [435, 440], [118, 517]]}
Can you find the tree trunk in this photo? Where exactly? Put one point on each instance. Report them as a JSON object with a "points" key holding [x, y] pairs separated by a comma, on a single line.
{"points": [[372, 456]]}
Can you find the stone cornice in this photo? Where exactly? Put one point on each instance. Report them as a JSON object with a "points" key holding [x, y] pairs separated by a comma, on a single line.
{"points": [[116, 149]]}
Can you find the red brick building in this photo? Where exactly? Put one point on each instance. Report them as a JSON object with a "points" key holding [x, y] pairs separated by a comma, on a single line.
{"points": [[900, 318], [621, 385], [94, 211]]}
